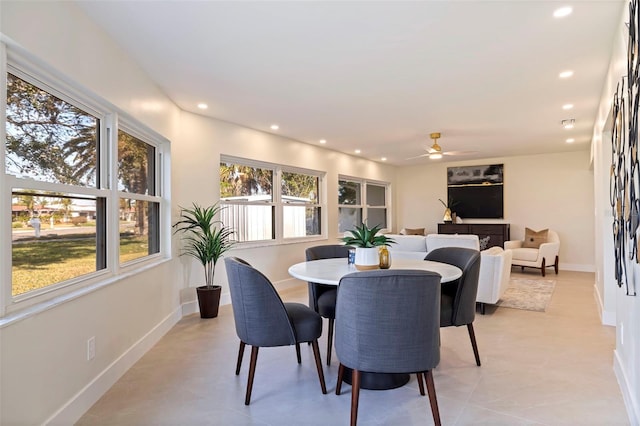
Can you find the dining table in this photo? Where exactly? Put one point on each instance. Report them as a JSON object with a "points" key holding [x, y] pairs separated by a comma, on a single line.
{"points": [[330, 271]]}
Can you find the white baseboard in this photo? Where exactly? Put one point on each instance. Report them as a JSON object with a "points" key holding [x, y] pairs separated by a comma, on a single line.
{"points": [[578, 267], [606, 317], [630, 401], [71, 412]]}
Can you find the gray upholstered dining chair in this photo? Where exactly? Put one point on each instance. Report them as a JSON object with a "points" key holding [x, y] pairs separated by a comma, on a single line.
{"points": [[322, 297], [388, 321], [263, 320], [458, 306]]}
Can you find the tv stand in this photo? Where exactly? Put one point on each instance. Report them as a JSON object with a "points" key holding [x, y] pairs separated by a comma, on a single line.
{"points": [[498, 233]]}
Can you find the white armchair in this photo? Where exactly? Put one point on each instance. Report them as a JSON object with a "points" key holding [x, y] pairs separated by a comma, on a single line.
{"points": [[495, 272], [545, 256]]}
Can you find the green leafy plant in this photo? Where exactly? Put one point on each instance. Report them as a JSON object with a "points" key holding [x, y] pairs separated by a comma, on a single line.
{"points": [[450, 204], [204, 237], [365, 237]]}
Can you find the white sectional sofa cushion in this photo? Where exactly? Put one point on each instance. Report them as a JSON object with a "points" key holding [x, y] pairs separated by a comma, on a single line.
{"points": [[495, 272], [435, 241], [417, 246], [408, 246]]}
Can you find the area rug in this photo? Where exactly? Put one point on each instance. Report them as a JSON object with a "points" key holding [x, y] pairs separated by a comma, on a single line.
{"points": [[527, 294]]}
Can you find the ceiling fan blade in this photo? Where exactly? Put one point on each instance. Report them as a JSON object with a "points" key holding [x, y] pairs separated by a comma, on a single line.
{"points": [[459, 152], [418, 156]]}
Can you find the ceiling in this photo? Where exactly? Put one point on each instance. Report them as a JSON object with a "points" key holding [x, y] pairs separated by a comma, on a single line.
{"points": [[380, 76]]}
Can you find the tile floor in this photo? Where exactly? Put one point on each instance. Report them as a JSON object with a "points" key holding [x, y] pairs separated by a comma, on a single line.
{"points": [[551, 368]]}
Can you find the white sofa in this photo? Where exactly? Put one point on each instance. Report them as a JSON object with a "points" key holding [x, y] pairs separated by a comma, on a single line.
{"points": [[417, 246], [495, 263], [495, 273]]}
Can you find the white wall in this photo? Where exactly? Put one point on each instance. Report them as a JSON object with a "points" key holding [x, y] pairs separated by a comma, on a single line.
{"points": [[617, 307], [196, 158], [542, 191], [44, 371]]}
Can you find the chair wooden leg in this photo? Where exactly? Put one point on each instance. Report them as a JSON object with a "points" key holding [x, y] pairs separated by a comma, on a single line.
{"points": [[330, 340], [472, 336], [555, 265], [355, 395], [252, 372], [339, 382], [298, 353], [543, 266], [240, 354], [316, 355], [432, 398], [420, 383]]}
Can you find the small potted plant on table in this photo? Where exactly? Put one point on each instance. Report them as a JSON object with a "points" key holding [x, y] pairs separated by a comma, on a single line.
{"points": [[205, 239], [367, 244]]}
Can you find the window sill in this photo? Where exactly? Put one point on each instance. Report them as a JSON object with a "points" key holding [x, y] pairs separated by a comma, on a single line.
{"points": [[270, 243]]}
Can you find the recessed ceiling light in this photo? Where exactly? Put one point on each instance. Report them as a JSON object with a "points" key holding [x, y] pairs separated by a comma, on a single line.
{"points": [[568, 124], [384, 159], [562, 12], [274, 127], [202, 105], [571, 140], [566, 74], [357, 151], [323, 141], [567, 106]]}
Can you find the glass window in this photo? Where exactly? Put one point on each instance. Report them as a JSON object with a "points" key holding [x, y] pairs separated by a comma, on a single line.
{"points": [[376, 203], [349, 205], [376, 195], [136, 165], [348, 192], [300, 211], [258, 213], [138, 215], [361, 202], [139, 228], [59, 175], [247, 195], [48, 139], [54, 239], [348, 218]]}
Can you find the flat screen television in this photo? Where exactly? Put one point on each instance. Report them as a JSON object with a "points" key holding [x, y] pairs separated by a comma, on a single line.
{"points": [[476, 192]]}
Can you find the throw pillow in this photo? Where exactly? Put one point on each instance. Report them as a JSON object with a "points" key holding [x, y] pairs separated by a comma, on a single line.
{"points": [[415, 231], [533, 239]]}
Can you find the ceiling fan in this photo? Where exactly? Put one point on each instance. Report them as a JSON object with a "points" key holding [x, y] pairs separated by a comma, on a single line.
{"points": [[435, 151]]}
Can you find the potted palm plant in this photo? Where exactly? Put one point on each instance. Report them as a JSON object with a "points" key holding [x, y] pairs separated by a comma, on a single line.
{"points": [[206, 239], [367, 243]]}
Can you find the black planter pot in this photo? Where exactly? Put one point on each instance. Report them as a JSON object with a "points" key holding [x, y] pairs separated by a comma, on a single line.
{"points": [[209, 300]]}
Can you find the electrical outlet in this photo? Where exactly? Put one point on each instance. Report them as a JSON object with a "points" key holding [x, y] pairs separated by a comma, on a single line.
{"points": [[91, 348]]}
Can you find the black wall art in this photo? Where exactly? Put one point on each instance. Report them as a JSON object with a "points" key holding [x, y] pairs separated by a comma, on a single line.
{"points": [[476, 192], [625, 179]]}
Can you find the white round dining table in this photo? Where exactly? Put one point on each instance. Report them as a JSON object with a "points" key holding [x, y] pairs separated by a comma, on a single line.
{"points": [[330, 271]]}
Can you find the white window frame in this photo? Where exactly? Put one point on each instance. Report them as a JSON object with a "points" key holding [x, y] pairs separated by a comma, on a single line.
{"points": [[277, 203], [364, 205], [15, 60]]}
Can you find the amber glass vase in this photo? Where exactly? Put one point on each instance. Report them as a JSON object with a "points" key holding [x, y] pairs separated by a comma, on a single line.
{"points": [[385, 258]]}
